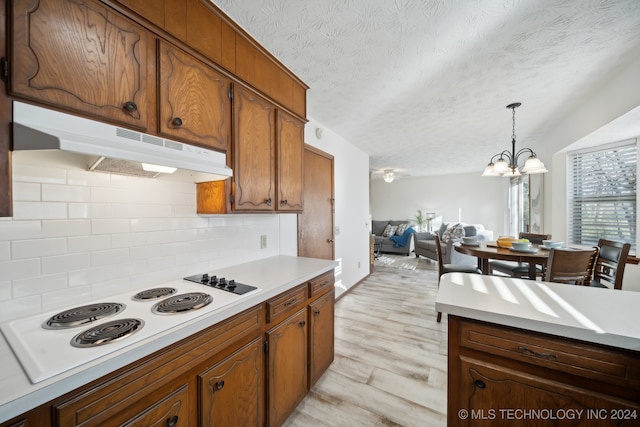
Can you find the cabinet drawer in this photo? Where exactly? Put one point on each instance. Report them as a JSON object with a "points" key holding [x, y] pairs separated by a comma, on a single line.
{"points": [[563, 355], [321, 283], [286, 302]]}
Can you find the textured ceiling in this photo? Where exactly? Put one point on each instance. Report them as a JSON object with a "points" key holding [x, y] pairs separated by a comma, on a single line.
{"points": [[422, 85]]}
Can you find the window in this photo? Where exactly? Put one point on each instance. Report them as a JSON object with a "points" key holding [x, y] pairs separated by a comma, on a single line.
{"points": [[602, 194]]}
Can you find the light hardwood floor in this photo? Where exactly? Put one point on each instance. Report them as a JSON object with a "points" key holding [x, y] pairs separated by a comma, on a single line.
{"points": [[390, 366]]}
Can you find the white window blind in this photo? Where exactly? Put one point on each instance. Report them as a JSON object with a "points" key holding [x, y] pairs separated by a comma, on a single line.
{"points": [[602, 194]]}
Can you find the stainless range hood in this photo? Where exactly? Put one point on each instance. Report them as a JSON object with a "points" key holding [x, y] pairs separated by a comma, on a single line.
{"points": [[36, 128]]}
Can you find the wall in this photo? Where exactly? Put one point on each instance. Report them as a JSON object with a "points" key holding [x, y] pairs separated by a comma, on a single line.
{"points": [[351, 219], [475, 199]]}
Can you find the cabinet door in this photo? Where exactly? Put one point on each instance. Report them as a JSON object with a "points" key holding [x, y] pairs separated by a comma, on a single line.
{"points": [[321, 336], [194, 100], [287, 367], [80, 56], [172, 411], [232, 391], [253, 185], [290, 158], [491, 394]]}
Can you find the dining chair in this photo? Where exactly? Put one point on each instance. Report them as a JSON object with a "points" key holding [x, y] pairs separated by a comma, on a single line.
{"points": [[520, 269], [572, 266], [450, 268], [609, 266]]}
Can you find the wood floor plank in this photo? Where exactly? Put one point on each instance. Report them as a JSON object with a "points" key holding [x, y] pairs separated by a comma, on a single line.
{"points": [[390, 366]]}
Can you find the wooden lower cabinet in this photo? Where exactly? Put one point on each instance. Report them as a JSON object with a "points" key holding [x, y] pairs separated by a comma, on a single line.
{"points": [[321, 336], [172, 411], [286, 366], [232, 391], [506, 376]]}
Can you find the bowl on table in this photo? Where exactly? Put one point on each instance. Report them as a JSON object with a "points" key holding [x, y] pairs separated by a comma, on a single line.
{"points": [[521, 246], [552, 243], [505, 241]]}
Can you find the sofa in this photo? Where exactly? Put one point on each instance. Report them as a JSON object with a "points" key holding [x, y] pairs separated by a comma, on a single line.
{"points": [[450, 232], [392, 240]]}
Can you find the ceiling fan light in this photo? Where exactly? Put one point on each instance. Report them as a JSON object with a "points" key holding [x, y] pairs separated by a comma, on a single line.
{"points": [[534, 165]]}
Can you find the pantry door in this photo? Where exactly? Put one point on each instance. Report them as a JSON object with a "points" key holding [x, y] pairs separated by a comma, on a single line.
{"points": [[315, 224]]}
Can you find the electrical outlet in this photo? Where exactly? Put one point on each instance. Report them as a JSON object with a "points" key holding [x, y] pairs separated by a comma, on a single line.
{"points": [[263, 241]]}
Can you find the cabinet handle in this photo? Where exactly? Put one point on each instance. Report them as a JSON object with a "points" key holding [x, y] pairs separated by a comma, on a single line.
{"points": [[548, 356], [177, 121], [329, 240], [173, 421], [130, 106], [302, 323], [268, 201], [480, 384], [219, 385], [284, 202], [316, 312], [288, 303]]}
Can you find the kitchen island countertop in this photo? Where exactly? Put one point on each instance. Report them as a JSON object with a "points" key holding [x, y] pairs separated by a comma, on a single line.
{"points": [[595, 315], [272, 275]]}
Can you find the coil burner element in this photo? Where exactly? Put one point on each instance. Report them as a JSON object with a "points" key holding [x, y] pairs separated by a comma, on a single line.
{"points": [[80, 316], [182, 303], [107, 332], [154, 293]]}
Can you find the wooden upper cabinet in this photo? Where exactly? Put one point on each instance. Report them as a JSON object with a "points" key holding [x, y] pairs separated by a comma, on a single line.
{"points": [[194, 100], [83, 57], [253, 184], [290, 155]]}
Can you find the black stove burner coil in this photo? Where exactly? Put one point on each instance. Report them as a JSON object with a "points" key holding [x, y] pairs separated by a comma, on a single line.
{"points": [[182, 303], [80, 316], [107, 333], [154, 293]]}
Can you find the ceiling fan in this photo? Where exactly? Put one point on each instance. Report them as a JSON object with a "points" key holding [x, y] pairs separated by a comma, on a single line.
{"points": [[389, 175]]}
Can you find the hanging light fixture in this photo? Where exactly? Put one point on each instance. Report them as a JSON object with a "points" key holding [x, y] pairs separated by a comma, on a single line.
{"points": [[507, 163], [388, 175]]}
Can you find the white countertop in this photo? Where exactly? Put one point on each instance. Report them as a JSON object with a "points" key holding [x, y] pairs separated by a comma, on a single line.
{"points": [[602, 316], [272, 275]]}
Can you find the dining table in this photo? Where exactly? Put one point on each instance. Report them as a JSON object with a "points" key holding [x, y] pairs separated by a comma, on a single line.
{"points": [[486, 251]]}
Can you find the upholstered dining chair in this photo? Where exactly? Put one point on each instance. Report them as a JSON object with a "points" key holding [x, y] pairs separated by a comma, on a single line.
{"points": [[572, 266], [609, 267], [520, 269], [450, 268]]}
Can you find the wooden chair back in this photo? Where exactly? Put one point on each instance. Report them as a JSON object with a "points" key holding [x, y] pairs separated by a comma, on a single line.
{"points": [[573, 266], [534, 238], [609, 267], [439, 253]]}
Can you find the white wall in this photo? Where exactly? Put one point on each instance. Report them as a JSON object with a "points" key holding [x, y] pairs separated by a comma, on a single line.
{"points": [[478, 200], [351, 183]]}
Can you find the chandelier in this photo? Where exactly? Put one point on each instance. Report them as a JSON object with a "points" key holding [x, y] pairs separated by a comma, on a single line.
{"points": [[507, 163]]}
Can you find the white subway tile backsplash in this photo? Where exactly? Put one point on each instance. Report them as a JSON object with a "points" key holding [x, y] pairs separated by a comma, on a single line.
{"points": [[5, 251], [108, 257], [65, 193], [39, 285], [19, 269], [39, 210], [64, 263], [89, 243], [110, 226], [26, 191], [80, 235], [38, 248], [90, 210]]}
